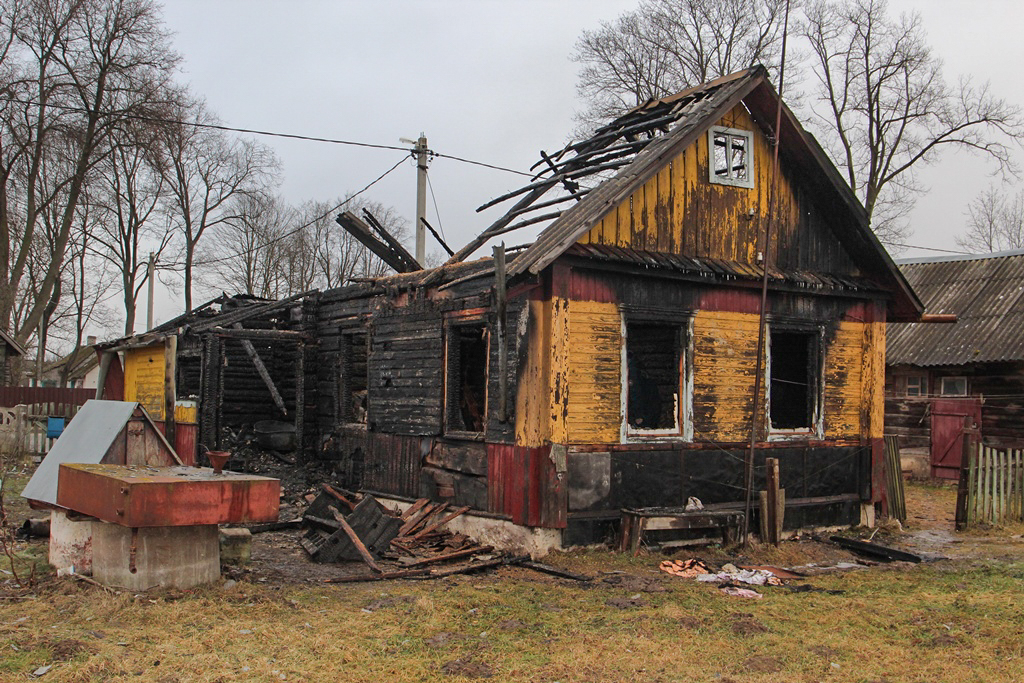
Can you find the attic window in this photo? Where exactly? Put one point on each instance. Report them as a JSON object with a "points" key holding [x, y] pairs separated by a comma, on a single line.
{"points": [[731, 157], [793, 392]]}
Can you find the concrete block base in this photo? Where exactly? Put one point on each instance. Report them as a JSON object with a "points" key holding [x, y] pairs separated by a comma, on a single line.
{"points": [[235, 546], [166, 557], [70, 544]]}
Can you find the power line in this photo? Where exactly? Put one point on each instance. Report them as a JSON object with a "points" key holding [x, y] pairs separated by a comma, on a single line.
{"points": [[916, 246], [267, 133], [304, 225], [437, 213]]}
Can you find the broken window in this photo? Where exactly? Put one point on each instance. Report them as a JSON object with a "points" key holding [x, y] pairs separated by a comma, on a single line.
{"points": [[917, 385], [466, 375], [352, 380], [954, 386], [653, 376], [731, 156], [793, 390]]}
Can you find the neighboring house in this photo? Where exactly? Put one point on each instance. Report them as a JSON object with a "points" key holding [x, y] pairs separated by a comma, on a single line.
{"points": [[9, 350], [614, 365], [938, 375], [82, 367]]}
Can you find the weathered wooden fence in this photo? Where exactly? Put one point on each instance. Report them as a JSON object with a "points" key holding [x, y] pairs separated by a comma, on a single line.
{"points": [[894, 479], [995, 485], [23, 428]]}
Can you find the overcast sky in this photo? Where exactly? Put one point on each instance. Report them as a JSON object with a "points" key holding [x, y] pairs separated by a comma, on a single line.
{"points": [[488, 80]]}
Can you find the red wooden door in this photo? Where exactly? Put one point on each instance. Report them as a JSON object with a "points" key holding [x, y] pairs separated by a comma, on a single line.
{"points": [[948, 416]]}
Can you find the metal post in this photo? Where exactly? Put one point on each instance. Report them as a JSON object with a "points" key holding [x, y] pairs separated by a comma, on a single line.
{"points": [[149, 311], [421, 198]]}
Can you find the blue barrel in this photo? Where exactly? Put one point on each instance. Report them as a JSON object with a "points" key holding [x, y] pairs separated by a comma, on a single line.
{"points": [[54, 427]]}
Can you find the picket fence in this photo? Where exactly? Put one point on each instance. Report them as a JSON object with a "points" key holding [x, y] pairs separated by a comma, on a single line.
{"points": [[995, 485], [23, 428]]}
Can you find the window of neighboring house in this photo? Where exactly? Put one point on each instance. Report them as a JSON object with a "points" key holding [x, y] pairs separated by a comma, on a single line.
{"points": [[794, 386], [352, 378], [917, 385], [954, 386], [653, 378], [466, 377], [731, 157]]}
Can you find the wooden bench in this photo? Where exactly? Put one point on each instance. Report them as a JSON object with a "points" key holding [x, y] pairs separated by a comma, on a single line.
{"points": [[637, 521]]}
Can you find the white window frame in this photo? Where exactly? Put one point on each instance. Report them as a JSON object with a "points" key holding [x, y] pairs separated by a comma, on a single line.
{"points": [[959, 378], [816, 430], [682, 429], [920, 385], [730, 134]]}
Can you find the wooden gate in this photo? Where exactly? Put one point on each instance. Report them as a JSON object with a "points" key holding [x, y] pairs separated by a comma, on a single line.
{"points": [[948, 433]]}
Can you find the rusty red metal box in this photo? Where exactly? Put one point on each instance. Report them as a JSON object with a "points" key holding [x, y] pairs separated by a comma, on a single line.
{"points": [[141, 496]]}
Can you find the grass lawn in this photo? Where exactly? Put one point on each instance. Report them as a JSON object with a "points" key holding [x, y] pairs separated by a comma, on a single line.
{"points": [[951, 620]]}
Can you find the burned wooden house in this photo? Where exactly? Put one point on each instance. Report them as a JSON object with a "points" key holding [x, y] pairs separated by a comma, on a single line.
{"points": [[612, 362], [941, 378], [233, 363]]}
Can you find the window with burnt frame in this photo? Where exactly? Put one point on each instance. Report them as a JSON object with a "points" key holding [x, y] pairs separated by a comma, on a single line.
{"points": [[653, 377], [731, 155], [466, 372], [352, 378], [794, 385]]}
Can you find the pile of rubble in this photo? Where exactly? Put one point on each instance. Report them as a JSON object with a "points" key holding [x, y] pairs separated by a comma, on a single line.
{"points": [[341, 526]]}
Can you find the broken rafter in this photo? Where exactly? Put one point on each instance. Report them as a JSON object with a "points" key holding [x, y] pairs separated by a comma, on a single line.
{"points": [[262, 371], [362, 232], [391, 241]]}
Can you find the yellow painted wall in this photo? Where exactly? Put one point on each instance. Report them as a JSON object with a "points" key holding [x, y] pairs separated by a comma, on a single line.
{"points": [[724, 362], [844, 381], [680, 211], [144, 378], [595, 373], [578, 344]]}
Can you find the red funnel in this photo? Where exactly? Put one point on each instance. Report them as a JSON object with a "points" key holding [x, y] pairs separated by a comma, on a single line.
{"points": [[218, 459]]}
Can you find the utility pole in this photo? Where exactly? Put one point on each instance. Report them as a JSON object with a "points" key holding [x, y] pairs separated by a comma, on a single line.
{"points": [[421, 198], [152, 272]]}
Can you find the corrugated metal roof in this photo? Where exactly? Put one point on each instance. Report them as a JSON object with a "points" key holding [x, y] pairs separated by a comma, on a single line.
{"points": [[85, 440], [986, 293]]}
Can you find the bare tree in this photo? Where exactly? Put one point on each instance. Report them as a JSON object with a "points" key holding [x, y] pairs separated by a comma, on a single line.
{"points": [[133, 188], [887, 109], [995, 222], [245, 256], [206, 170], [72, 71], [665, 46]]}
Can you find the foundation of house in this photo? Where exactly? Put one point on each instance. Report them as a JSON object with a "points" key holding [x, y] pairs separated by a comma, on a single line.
{"points": [[151, 557], [70, 544]]}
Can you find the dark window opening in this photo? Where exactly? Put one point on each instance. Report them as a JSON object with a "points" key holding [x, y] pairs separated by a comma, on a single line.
{"points": [[793, 380], [352, 383], [467, 378], [652, 357]]}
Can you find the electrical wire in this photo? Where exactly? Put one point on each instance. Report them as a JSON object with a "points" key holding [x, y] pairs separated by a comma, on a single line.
{"points": [[917, 246], [440, 227], [267, 133], [304, 225]]}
